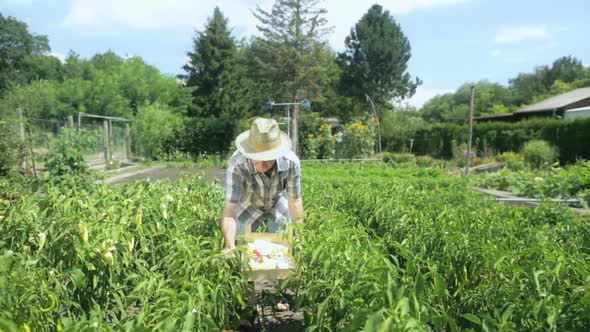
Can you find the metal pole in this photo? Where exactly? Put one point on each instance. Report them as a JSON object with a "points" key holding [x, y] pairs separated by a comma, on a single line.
{"points": [[79, 122], [105, 137], [288, 121], [411, 144], [127, 142], [295, 125], [470, 131]]}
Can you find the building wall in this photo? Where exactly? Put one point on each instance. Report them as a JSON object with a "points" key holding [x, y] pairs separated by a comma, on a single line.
{"points": [[569, 114]]}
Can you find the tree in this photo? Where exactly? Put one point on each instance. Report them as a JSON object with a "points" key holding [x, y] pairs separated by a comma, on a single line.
{"points": [[399, 127], [527, 88], [375, 60], [290, 55], [220, 97], [566, 69], [17, 45], [211, 71]]}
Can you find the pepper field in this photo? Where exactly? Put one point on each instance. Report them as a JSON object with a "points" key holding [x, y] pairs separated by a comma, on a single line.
{"points": [[381, 249]]}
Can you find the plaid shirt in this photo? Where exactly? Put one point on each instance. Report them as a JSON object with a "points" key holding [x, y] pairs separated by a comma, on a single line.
{"points": [[258, 196]]}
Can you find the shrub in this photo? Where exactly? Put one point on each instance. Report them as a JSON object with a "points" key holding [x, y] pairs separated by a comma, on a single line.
{"points": [[427, 161], [153, 126], [65, 157], [538, 153], [436, 139], [358, 141], [399, 159], [512, 160], [584, 197], [8, 159], [461, 153]]}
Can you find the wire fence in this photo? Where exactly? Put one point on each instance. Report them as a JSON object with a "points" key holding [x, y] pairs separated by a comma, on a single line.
{"points": [[110, 140]]}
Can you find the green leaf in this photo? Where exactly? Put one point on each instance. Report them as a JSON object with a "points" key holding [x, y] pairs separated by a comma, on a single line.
{"points": [[419, 287], [472, 318]]}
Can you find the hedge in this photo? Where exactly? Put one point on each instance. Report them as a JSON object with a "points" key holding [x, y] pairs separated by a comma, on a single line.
{"points": [[571, 137]]}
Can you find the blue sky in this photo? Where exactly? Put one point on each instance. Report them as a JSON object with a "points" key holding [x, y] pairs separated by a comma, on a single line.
{"points": [[453, 41]]}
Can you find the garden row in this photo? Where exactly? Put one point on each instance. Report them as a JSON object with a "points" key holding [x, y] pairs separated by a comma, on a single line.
{"points": [[382, 249], [570, 182], [424, 253], [140, 257]]}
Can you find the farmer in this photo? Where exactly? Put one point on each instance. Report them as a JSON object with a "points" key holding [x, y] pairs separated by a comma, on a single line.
{"points": [[263, 187]]}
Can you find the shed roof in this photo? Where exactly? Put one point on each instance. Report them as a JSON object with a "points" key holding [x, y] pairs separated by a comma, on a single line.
{"points": [[558, 102]]}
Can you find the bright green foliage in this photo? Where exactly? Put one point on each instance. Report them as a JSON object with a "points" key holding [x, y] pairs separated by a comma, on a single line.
{"points": [[539, 153], [398, 127], [8, 148], [152, 127], [103, 85], [382, 249], [321, 145], [399, 159], [65, 161], [513, 161], [427, 161], [414, 252], [376, 57], [133, 257], [570, 182], [37, 100], [358, 140], [490, 99]]}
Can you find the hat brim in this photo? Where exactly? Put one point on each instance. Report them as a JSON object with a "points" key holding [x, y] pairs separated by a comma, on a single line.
{"points": [[249, 152]]}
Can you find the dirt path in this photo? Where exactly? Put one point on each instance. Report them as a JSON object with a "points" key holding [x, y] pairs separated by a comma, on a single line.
{"points": [[266, 292], [170, 173]]}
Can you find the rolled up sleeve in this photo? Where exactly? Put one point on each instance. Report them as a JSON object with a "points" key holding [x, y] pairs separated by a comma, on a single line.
{"points": [[234, 183], [294, 181]]}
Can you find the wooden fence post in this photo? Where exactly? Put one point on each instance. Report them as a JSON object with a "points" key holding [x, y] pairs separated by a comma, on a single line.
{"points": [[21, 134], [128, 141], [105, 136], [79, 122]]}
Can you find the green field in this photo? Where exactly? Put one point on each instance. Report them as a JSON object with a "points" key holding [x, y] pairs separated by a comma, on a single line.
{"points": [[382, 249]]}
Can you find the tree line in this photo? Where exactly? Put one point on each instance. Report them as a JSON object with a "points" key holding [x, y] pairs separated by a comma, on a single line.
{"points": [[226, 82]]}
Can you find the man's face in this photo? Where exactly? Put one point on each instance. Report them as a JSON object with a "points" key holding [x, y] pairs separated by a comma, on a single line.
{"points": [[263, 165]]}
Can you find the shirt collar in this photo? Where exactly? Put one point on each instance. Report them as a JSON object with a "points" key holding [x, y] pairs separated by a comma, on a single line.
{"points": [[281, 163]]}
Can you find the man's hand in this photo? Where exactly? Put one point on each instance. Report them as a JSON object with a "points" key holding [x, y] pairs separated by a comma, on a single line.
{"points": [[229, 253], [296, 209], [228, 225]]}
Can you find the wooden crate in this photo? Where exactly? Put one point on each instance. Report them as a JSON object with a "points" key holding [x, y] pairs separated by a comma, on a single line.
{"points": [[272, 274]]}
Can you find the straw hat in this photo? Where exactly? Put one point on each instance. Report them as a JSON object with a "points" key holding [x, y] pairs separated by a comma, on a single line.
{"points": [[264, 141]]}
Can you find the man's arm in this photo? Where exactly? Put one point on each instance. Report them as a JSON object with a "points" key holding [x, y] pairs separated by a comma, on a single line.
{"points": [[228, 225], [296, 209]]}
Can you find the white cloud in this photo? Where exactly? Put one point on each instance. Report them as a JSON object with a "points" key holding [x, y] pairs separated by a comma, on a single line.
{"points": [[62, 57], [521, 33], [425, 93], [112, 15], [496, 52], [180, 15]]}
